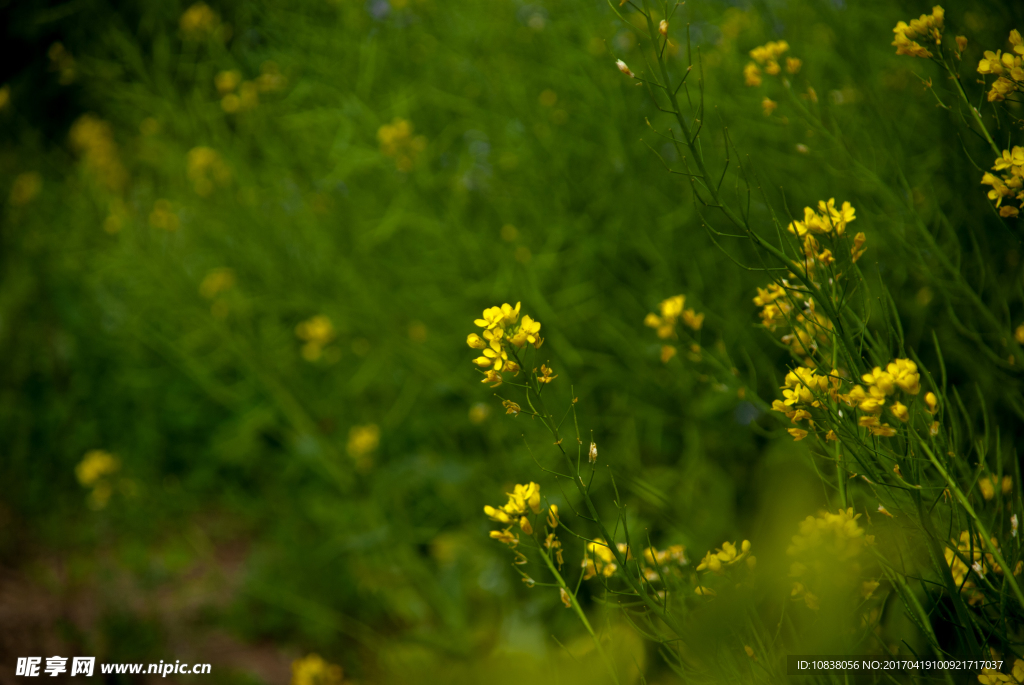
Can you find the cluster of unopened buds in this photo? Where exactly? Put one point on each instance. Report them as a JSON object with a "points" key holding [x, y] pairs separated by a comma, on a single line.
{"points": [[503, 333]]}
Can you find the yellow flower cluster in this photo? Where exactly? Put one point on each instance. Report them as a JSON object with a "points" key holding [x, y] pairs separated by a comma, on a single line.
{"points": [[1008, 67], [803, 389], [790, 306], [163, 215], [314, 670], [1009, 183], [199, 22], [768, 56], [989, 676], [987, 486], [523, 498], [899, 375], [825, 548], [503, 333], [673, 312], [659, 562], [240, 96], [93, 472], [970, 548], [600, 560], [93, 139], [206, 170], [926, 26], [725, 556], [398, 142], [317, 332], [826, 220]]}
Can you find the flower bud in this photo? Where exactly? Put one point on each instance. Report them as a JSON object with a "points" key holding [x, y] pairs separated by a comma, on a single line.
{"points": [[624, 69]]}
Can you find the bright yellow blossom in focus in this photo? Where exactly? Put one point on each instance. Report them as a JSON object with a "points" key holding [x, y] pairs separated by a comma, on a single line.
{"points": [[313, 670], [725, 556], [1010, 184]]}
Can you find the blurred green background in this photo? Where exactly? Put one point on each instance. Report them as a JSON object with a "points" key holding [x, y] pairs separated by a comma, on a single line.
{"points": [[184, 190]]}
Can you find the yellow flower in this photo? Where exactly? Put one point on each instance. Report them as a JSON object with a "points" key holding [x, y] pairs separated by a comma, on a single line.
{"points": [[25, 188], [475, 341], [797, 433], [397, 141], [199, 21], [904, 373], [207, 170], [546, 374], [505, 536], [900, 411], [363, 442], [95, 465], [497, 515], [793, 65], [752, 74], [553, 516], [316, 332], [1007, 485], [858, 249], [163, 216], [988, 490], [883, 431], [93, 139], [313, 670], [216, 281], [492, 378], [932, 401], [768, 106], [667, 352], [227, 81], [511, 407]]}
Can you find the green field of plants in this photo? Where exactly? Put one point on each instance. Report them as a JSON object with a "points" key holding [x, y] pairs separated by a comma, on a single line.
{"points": [[551, 341]]}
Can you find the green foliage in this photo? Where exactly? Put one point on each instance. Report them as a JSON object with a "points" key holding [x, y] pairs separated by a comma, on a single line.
{"points": [[537, 178]]}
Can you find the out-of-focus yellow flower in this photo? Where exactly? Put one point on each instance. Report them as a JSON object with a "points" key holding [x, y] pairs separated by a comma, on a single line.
{"points": [[673, 312], [317, 332], [986, 487], [900, 411], [599, 560], [26, 187], [552, 518], [768, 106], [270, 79], [478, 413], [199, 22], [990, 676], [5, 97], [227, 81], [93, 139], [768, 55], [793, 65], [398, 142], [313, 670], [505, 536], [163, 216], [216, 281], [63, 63], [95, 465], [363, 441], [207, 170], [752, 74], [667, 352], [858, 249]]}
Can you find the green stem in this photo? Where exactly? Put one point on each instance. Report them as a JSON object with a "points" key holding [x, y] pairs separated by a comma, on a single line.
{"points": [[579, 612]]}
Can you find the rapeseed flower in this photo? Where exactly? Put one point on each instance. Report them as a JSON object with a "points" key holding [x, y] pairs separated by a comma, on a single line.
{"points": [[206, 170], [1010, 184], [672, 312], [398, 142], [504, 333], [317, 332], [927, 26], [725, 556], [313, 670]]}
